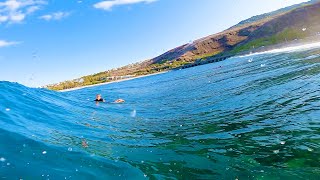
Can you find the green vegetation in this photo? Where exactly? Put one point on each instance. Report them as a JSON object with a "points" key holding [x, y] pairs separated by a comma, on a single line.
{"points": [[204, 56], [114, 75], [286, 35]]}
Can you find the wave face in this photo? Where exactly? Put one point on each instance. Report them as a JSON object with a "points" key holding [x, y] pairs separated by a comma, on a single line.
{"points": [[254, 117]]}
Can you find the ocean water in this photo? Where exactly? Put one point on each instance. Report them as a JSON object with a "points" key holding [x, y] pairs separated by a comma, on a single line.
{"points": [[252, 117]]}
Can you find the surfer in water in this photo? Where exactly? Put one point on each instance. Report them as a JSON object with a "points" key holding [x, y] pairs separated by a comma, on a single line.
{"points": [[100, 99]]}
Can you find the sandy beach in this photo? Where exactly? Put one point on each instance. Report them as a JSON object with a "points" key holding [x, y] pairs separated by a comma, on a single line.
{"points": [[128, 79]]}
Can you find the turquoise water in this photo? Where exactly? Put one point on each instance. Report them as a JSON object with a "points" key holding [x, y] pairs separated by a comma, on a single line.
{"points": [[227, 120]]}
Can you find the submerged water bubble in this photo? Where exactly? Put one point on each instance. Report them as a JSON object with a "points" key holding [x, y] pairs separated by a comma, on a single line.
{"points": [[250, 60], [8, 109], [2, 159], [44, 152], [310, 149], [133, 113], [70, 149], [276, 151], [263, 65], [282, 142]]}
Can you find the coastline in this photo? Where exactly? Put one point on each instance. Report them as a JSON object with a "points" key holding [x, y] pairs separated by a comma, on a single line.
{"points": [[105, 83], [294, 45]]}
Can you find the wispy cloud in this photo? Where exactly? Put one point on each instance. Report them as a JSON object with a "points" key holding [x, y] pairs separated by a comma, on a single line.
{"points": [[15, 11], [55, 16], [4, 43], [107, 5]]}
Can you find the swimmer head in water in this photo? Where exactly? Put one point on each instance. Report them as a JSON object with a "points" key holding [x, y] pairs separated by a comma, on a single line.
{"points": [[99, 98]]}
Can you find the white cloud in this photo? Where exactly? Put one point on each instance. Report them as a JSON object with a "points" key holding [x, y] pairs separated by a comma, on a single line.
{"points": [[4, 43], [15, 11], [107, 5], [55, 16]]}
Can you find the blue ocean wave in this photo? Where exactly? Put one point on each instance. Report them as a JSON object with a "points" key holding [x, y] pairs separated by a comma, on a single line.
{"points": [[246, 117]]}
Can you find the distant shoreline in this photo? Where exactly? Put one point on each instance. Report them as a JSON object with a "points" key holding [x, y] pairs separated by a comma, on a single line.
{"points": [[105, 83]]}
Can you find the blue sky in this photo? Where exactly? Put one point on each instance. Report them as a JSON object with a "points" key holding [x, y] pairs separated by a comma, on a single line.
{"points": [[48, 41]]}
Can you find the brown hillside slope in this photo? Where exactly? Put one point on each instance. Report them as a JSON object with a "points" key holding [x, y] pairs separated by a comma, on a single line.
{"points": [[299, 23], [307, 16]]}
